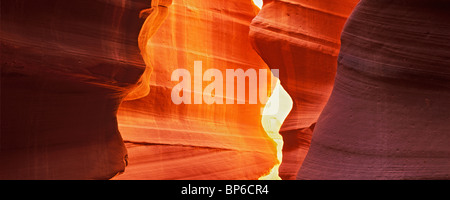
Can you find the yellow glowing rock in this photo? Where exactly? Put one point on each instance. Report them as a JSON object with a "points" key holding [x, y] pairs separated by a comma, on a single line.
{"points": [[258, 3], [275, 112]]}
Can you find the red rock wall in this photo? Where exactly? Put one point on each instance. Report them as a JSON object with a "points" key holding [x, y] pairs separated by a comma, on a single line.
{"points": [[65, 68], [301, 38], [387, 117]]}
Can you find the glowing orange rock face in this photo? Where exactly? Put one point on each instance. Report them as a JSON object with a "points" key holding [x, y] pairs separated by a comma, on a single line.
{"points": [[154, 16], [67, 66], [301, 38], [197, 141]]}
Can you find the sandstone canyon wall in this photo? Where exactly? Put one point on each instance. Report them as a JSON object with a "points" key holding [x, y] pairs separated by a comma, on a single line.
{"points": [[86, 89], [389, 112], [65, 68], [301, 38], [197, 141], [68, 66]]}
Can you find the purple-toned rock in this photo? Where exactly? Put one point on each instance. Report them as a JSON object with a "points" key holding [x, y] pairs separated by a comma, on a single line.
{"points": [[388, 115]]}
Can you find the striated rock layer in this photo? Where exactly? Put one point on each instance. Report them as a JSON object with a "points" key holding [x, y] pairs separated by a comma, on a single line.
{"points": [[197, 141], [65, 68], [301, 38], [389, 112]]}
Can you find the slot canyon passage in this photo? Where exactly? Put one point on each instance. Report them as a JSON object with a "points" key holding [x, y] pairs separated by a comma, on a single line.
{"points": [[86, 89]]}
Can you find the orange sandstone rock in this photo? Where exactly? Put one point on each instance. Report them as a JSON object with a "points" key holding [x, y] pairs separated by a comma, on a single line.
{"points": [[197, 141], [67, 66], [301, 38]]}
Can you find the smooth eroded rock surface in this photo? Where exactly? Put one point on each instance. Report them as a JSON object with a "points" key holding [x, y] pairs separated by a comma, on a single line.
{"points": [[387, 117], [65, 68], [301, 38], [215, 33]]}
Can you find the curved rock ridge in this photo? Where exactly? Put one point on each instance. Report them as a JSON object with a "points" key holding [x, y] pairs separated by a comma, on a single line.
{"points": [[198, 141], [74, 73], [387, 117], [154, 16], [65, 68], [301, 38]]}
